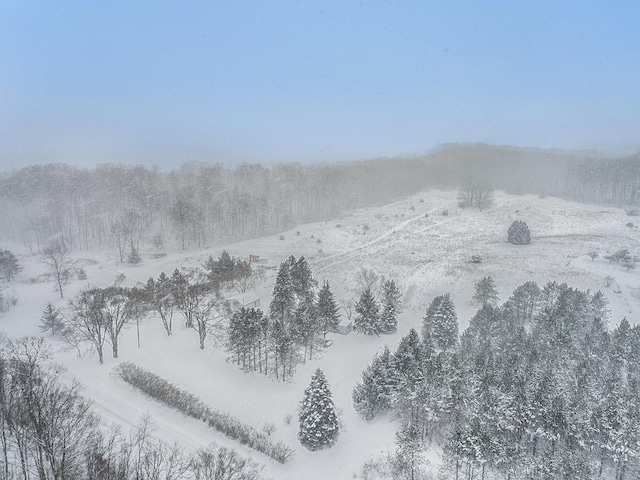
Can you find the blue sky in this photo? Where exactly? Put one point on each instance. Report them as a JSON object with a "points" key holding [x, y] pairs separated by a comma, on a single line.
{"points": [[87, 82]]}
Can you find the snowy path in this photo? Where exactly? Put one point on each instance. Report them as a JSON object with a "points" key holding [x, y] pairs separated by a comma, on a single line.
{"points": [[349, 254]]}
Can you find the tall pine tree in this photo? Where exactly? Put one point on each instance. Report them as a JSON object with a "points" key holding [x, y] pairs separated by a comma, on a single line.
{"points": [[440, 323], [374, 394], [283, 298], [302, 280], [367, 314], [318, 419], [390, 307], [327, 310]]}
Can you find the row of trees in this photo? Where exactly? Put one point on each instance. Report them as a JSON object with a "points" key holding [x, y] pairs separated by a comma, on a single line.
{"points": [[49, 431], [99, 315], [535, 388]]}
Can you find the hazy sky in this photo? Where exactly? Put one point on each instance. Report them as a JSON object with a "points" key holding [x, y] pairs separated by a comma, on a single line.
{"points": [[90, 82]]}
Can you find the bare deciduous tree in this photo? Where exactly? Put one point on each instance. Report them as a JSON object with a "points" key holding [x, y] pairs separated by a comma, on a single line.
{"points": [[475, 192], [59, 267], [87, 321]]}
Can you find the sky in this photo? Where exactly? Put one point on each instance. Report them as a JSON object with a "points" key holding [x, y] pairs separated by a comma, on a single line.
{"points": [[168, 82]]}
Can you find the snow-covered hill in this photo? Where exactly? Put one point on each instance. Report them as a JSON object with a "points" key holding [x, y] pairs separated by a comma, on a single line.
{"points": [[424, 243]]}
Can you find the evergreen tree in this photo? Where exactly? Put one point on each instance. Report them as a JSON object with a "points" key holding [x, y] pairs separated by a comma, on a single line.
{"points": [[282, 348], [283, 297], [441, 323], [367, 314], [302, 280], [9, 265], [327, 310], [486, 293], [518, 233], [318, 420], [523, 302], [390, 307], [375, 392], [220, 271], [409, 355], [304, 326], [51, 320]]}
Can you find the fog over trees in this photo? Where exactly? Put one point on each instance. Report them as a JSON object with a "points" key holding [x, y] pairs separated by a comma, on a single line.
{"points": [[124, 207]]}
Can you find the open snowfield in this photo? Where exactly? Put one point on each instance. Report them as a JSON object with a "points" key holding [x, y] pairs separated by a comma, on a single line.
{"points": [[411, 241]]}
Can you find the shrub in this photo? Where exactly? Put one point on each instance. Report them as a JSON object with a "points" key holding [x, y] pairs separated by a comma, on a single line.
{"points": [[519, 234], [630, 224], [476, 259], [160, 389], [82, 275], [633, 212]]}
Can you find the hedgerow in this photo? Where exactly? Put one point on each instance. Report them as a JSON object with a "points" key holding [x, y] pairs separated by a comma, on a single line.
{"points": [[164, 391]]}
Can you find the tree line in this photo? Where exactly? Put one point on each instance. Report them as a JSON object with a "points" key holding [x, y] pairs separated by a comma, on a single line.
{"points": [[129, 207]]}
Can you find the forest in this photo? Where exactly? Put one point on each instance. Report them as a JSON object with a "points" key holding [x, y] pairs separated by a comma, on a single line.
{"points": [[123, 207], [535, 388]]}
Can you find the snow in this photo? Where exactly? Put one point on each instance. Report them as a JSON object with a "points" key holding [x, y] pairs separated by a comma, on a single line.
{"points": [[409, 241]]}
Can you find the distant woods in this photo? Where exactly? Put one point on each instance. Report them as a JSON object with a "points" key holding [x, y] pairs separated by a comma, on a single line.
{"points": [[126, 207]]}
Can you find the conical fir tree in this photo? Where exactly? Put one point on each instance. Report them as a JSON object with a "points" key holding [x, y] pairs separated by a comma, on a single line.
{"points": [[390, 307], [374, 393], [327, 310], [368, 316], [318, 420], [283, 297], [441, 323]]}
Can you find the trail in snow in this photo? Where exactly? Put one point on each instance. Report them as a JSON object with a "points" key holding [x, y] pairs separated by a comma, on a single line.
{"points": [[347, 255]]}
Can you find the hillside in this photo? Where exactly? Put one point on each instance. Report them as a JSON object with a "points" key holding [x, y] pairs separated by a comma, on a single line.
{"points": [[424, 242]]}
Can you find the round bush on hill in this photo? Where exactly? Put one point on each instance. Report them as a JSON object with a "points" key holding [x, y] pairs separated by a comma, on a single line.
{"points": [[519, 234]]}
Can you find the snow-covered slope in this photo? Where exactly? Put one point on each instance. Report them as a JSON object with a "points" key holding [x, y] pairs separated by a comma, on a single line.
{"points": [[411, 241]]}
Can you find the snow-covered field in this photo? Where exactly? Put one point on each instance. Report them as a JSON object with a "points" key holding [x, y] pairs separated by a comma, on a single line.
{"points": [[411, 241]]}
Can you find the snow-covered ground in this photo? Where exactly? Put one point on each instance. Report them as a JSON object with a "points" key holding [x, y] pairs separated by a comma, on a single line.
{"points": [[411, 241]]}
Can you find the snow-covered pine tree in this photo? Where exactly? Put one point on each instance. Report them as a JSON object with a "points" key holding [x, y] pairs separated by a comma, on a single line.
{"points": [[518, 233], [390, 307], [318, 419], [327, 310], [486, 293], [9, 265], [283, 296], [367, 314], [409, 355], [51, 321], [239, 341], [302, 279], [283, 349], [441, 322], [374, 393], [523, 302], [304, 326]]}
